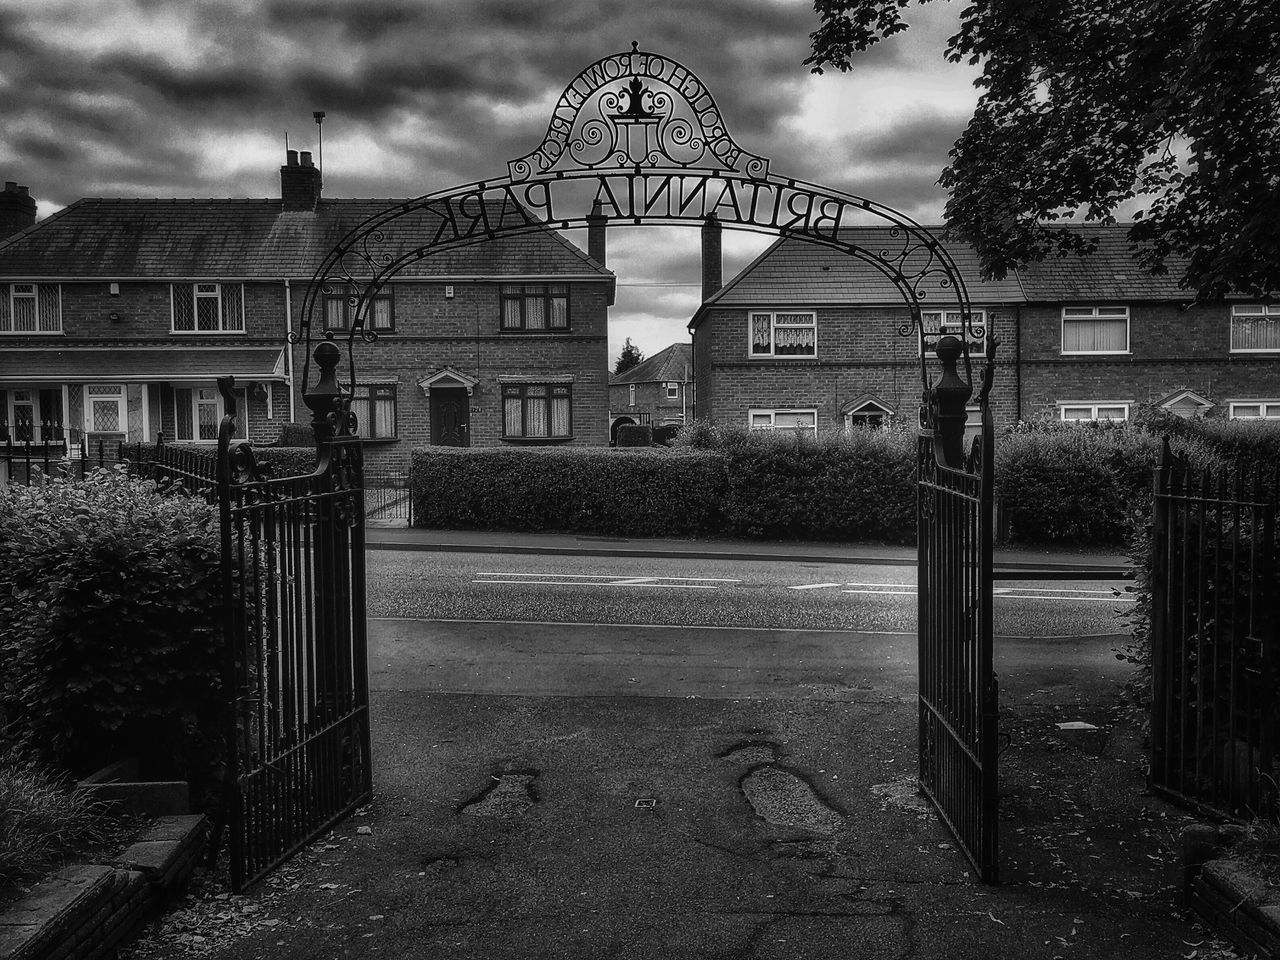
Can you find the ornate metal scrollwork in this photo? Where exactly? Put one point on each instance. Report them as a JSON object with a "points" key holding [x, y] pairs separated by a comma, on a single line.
{"points": [[636, 109]]}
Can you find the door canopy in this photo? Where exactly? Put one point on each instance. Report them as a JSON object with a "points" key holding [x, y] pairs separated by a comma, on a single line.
{"points": [[636, 138]]}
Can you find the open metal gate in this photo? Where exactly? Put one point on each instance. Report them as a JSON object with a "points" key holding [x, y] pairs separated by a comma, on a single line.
{"points": [[293, 568], [959, 696]]}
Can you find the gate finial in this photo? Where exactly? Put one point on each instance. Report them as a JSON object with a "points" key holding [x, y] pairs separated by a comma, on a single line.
{"points": [[947, 400], [324, 399]]}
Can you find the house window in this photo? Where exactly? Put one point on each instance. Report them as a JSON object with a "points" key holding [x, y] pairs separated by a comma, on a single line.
{"points": [[340, 301], [105, 409], [535, 306], [1090, 410], [375, 408], [792, 421], [537, 410], [950, 323], [1255, 328], [1095, 329], [31, 308], [198, 413], [783, 335], [207, 307], [673, 391], [631, 394], [1255, 410]]}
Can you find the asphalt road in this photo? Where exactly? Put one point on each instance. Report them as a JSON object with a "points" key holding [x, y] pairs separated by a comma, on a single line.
{"points": [[706, 592]]}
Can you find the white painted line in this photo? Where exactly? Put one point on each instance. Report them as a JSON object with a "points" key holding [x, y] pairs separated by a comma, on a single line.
{"points": [[622, 583], [880, 583], [634, 581], [1085, 590], [674, 626], [1009, 596], [884, 593], [812, 586], [599, 576]]}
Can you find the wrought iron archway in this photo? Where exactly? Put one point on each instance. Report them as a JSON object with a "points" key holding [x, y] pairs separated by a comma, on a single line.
{"points": [[637, 138]]}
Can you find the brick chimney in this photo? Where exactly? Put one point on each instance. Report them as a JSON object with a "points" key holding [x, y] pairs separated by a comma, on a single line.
{"points": [[595, 233], [17, 209], [711, 281], [299, 182]]}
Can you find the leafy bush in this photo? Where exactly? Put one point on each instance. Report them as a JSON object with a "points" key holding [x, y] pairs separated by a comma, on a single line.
{"points": [[42, 819], [643, 493], [840, 486], [296, 435], [1228, 440], [109, 623], [665, 433]]}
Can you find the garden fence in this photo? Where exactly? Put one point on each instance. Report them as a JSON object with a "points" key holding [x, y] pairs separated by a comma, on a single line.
{"points": [[1215, 565]]}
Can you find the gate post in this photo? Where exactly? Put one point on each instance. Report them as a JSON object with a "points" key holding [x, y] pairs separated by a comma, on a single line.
{"points": [[324, 401], [948, 397]]}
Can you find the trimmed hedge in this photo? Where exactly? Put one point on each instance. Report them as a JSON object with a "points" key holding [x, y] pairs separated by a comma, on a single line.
{"points": [[643, 492], [110, 624], [635, 435], [1059, 483]]}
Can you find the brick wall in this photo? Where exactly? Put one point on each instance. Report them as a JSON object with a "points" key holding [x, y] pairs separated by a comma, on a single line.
{"points": [[433, 331], [1171, 348], [651, 398], [859, 351]]}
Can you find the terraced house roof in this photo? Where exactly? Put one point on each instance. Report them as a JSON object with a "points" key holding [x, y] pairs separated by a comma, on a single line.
{"points": [[795, 272], [672, 364], [255, 239]]}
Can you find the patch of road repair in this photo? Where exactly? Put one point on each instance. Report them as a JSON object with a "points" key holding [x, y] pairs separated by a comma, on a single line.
{"points": [[508, 794], [902, 794]]}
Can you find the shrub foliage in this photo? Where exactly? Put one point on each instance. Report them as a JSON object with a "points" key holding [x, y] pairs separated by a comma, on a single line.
{"points": [[109, 622]]}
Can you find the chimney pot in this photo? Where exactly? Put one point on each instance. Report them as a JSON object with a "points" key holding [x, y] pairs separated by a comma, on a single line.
{"points": [[291, 157], [711, 276], [10, 186], [299, 182], [24, 191], [305, 157]]}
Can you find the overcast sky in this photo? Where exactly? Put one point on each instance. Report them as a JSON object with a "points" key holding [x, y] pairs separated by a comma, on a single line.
{"points": [[156, 98]]}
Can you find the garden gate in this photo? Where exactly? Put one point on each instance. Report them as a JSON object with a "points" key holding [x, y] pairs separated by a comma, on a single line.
{"points": [[637, 138], [293, 567]]}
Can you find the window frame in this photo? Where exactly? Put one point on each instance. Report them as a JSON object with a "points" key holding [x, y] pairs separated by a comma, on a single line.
{"points": [[218, 296], [1094, 315], [773, 334], [772, 412], [1094, 406], [220, 411], [121, 398], [386, 293], [1262, 403], [1269, 311], [631, 394], [507, 292], [371, 400], [7, 321], [979, 317], [522, 386], [673, 389]]}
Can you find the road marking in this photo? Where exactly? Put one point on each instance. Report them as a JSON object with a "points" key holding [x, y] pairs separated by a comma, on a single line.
{"points": [[1060, 599], [599, 576], [884, 593], [812, 586], [611, 583]]}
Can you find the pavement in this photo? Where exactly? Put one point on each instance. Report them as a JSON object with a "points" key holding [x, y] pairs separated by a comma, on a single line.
{"points": [[712, 793], [1009, 562]]}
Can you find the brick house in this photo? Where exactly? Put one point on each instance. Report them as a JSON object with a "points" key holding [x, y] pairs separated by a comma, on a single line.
{"points": [[117, 315], [658, 390], [806, 338]]}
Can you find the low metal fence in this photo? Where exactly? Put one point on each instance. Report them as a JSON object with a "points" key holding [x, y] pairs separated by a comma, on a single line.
{"points": [[28, 462], [1214, 622]]}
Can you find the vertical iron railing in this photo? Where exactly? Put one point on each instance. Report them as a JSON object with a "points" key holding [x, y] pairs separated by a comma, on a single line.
{"points": [[298, 733], [387, 496], [959, 695], [29, 460], [1214, 630]]}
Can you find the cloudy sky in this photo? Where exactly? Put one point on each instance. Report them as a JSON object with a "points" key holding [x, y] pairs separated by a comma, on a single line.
{"points": [[156, 98]]}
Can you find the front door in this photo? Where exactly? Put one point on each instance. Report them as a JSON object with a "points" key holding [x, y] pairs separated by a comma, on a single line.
{"points": [[450, 418]]}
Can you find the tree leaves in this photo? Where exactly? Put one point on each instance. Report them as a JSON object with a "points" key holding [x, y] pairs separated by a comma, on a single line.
{"points": [[1087, 105]]}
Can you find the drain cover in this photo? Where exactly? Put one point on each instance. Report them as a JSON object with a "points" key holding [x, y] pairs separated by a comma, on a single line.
{"points": [[646, 803]]}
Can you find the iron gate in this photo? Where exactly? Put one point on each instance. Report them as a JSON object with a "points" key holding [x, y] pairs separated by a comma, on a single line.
{"points": [[959, 696], [1214, 629], [294, 599]]}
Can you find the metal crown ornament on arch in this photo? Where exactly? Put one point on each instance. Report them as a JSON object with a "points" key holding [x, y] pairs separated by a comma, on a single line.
{"points": [[637, 138]]}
